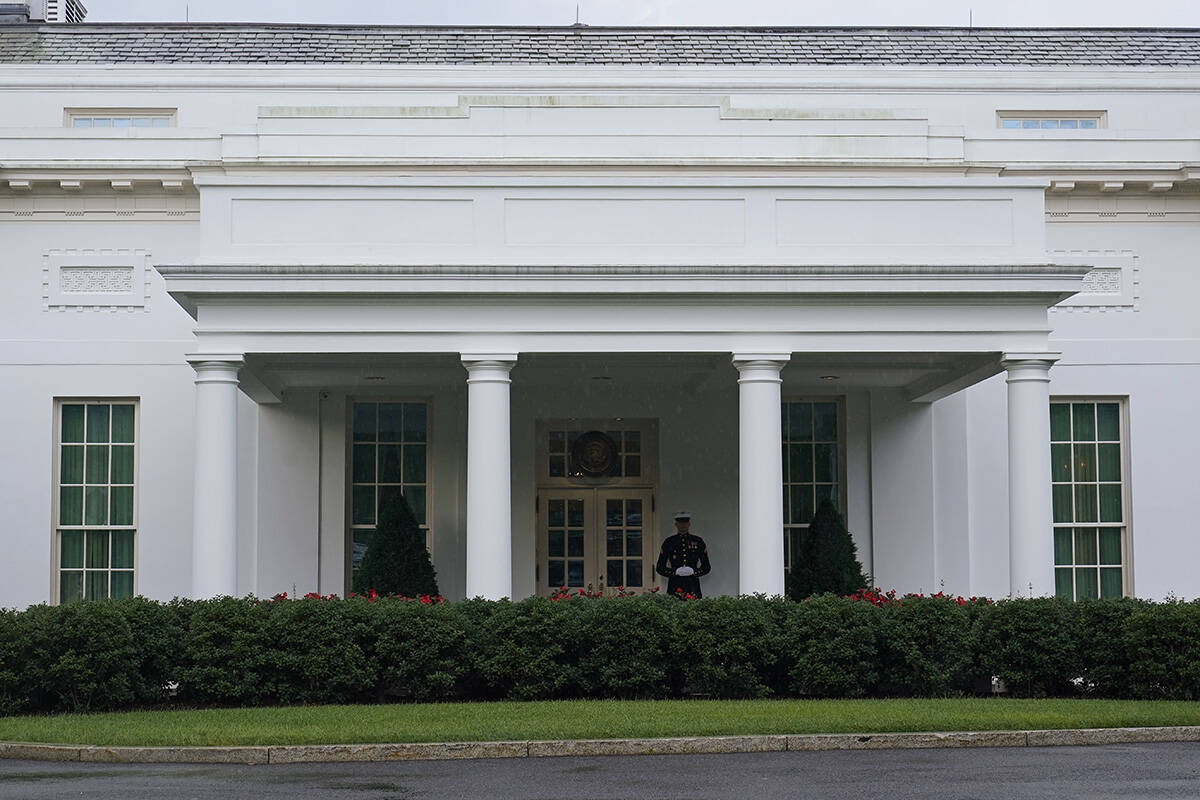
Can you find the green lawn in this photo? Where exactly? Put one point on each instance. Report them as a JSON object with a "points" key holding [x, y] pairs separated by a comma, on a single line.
{"points": [[585, 719]]}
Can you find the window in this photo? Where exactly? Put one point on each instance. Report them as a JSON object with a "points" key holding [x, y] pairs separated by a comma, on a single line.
{"points": [[560, 446], [1087, 470], [1051, 120], [811, 471], [390, 456], [95, 520], [118, 118]]}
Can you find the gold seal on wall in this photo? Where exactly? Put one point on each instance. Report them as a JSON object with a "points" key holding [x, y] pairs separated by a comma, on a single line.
{"points": [[594, 454]]}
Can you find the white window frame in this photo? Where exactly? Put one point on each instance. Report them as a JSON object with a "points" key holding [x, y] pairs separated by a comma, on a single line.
{"points": [[1099, 117], [788, 528], [70, 115], [56, 527], [350, 527], [1122, 402]]}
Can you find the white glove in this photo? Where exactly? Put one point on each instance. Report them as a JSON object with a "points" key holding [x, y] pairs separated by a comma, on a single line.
{"points": [[683, 572]]}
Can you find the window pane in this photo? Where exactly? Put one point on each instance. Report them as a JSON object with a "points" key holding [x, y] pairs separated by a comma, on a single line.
{"points": [[1085, 462], [801, 468], [555, 575], [802, 504], [633, 573], [97, 550], [101, 122], [825, 422], [96, 585], [1085, 546], [1010, 123], [97, 464], [575, 573], [557, 513], [415, 495], [633, 441], [825, 463], [558, 466], [1069, 123], [633, 513], [141, 122], [800, 425], [414, 463], [390, 422], [122, 423], [415, 422], [70, 586], [1110, 546], [1111, 584], [1110, 502], [1083, 418], [97, 424], [71, 556], [81, 122], [364, 464], [121, 505], [122, 464], [122, 585], [122, 549], [1062, 583], [575, 513], [95, 507], [614, 541], [363, 512], [364, 422], [1085, 503], [633, 543], [70, 505], [575, 544], [556, 544], [1029, 123], [1062, 546], [72, 423], [1060, 462], [1050, 123], [160, 122], [633, 466], [1060, 422], [1086, 586], [558, 442], [1109, 462], [1062, 504], [615, 572], [1108, 422], [1088, 124], [390, 470], [122, 122], [71, 468]]}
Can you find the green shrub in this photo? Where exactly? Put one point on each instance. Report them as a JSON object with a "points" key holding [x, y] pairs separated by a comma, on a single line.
{"points": [[1032, 645], [319, 651], [422, 650], [726, 646], [157, 631], [1103, 645], [1163, 641], [825, 558], [530, 650], [14, 699], [396, 561], [223, 661], [926, 648], [624, 645], [80, 657], [833, 642]]}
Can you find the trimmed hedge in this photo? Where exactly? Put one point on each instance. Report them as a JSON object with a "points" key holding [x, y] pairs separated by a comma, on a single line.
{"points": [[93, 656]]}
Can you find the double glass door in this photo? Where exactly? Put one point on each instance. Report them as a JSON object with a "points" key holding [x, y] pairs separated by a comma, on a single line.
{"points": [[598, 540]]}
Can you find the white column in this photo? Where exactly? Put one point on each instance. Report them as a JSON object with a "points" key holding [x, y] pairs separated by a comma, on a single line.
{"points": [[489, 468], [1030, 518], [214, 513], [760, 473]]}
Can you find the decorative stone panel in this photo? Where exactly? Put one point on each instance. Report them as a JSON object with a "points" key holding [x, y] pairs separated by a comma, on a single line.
{"points": [[1112, 285], [99, 280]]}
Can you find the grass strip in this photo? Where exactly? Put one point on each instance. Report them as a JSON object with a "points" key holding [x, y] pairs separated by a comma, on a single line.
{"points": [[583, 719]]}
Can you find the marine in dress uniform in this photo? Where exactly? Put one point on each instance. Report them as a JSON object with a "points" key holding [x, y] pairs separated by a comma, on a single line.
{"points": [[682, 552]]}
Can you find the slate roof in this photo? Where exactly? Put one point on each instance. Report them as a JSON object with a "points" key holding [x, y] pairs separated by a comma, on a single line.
{"points": [[326, 44]]}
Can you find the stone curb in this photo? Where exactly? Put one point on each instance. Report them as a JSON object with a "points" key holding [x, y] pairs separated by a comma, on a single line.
{"points": [[302, 754]]}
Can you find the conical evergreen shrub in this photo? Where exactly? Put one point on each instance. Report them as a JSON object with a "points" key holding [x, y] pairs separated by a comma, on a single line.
{"points": [[396, 561], [825, 558]]}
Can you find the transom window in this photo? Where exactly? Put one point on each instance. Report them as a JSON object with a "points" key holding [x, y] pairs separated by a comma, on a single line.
{"points": [[119, 119], [561, 443], [96, 509], [810, 465], [1087, 471], [389, 456], [1051, 121]]}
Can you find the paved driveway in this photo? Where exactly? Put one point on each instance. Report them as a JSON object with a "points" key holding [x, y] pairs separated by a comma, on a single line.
{"points": [[1159, 771]]}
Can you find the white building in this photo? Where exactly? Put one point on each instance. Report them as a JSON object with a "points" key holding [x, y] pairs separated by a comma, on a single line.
{"points": [[258, 277]]}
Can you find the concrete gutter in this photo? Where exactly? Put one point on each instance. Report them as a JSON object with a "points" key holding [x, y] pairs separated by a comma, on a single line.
{"points": [[300, 754]]}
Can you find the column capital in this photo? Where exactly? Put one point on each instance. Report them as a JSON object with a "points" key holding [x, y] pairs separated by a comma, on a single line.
{"points": [[216, 367], [760, 367], [488, 367], [1028, 366]]}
